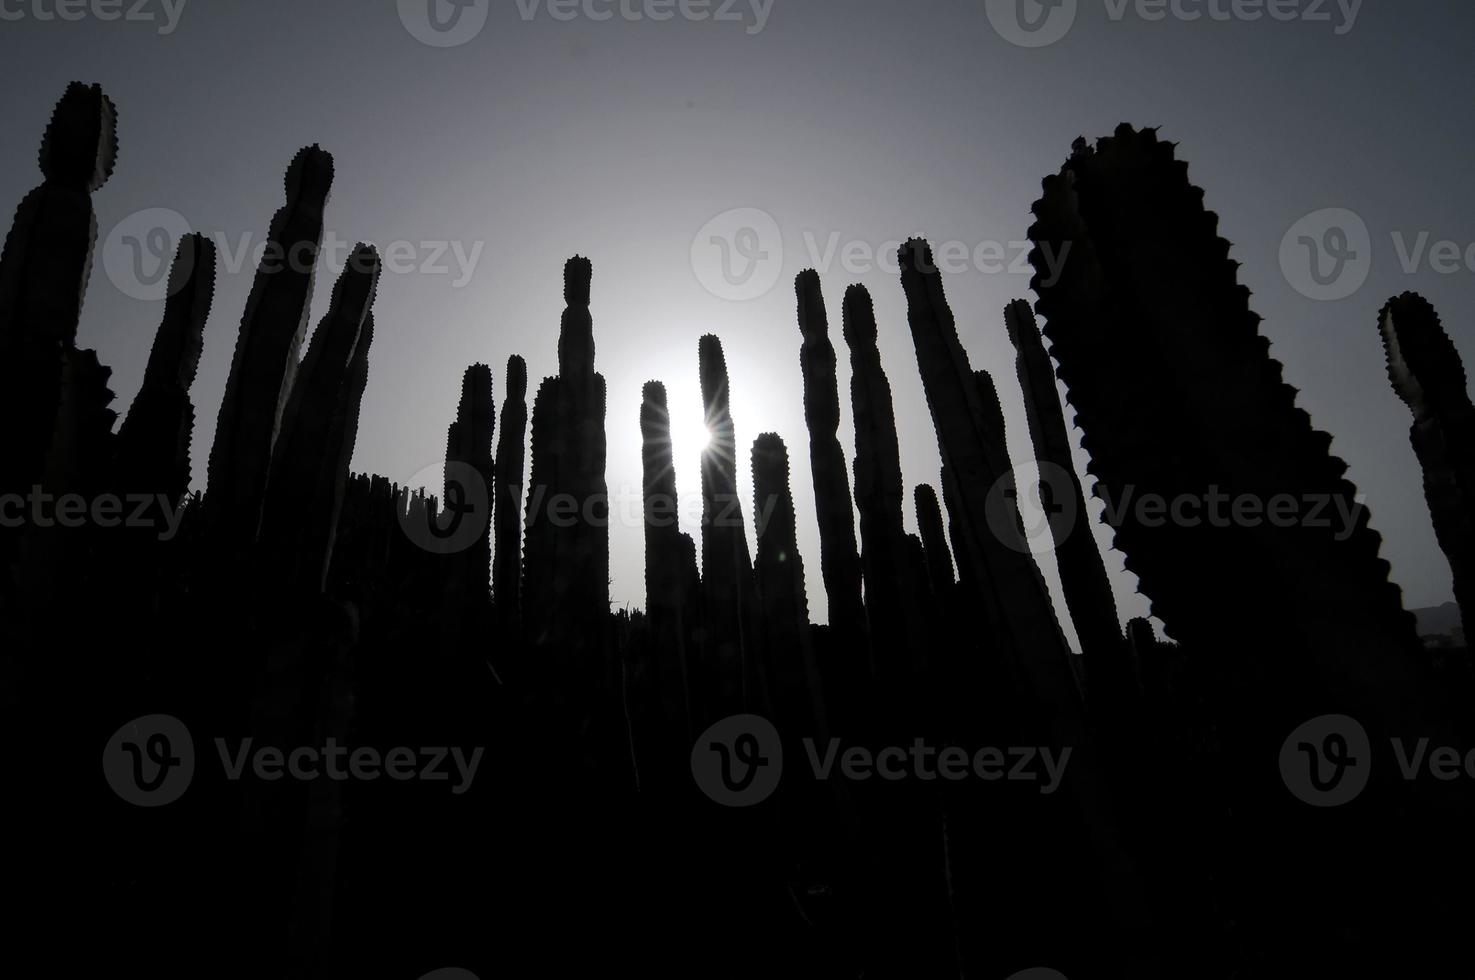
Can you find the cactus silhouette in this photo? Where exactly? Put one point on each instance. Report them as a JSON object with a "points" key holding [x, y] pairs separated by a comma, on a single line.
{"points": [[787, 658], [1082, 572], [1205, 410], [934, 540], [153, 454], [727, 569], [310, 463], [1178, 398], [887, 557], [1429, 376], [470, 479], [970, 436], [839, 559], [666, 598], [265, 361], [43, 276], [507, 507]]}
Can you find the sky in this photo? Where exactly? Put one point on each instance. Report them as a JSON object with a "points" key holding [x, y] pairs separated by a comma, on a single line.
{"points": [[490, 143]]}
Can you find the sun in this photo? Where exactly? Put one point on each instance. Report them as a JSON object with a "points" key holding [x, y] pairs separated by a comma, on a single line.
{"points": [[690, 437]]}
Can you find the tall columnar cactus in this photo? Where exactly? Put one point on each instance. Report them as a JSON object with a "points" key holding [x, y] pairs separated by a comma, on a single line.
{"points": [[265, 359], [153, 451], [43, 275], [879, 495], [1273, 578], [1082, 572], [539, 563], [469, 461], [310, 463], [934, 540], [727, 570], [664, 572], [839, 561], [1429, 376], [787, 662], [1015, 602], [1178, 397], [581, 581], [507, 508]]}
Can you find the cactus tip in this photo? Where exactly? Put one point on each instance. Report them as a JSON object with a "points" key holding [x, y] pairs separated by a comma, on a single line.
{"points": [[80, 147], [310, 174], [517, 378], [578, 272]]}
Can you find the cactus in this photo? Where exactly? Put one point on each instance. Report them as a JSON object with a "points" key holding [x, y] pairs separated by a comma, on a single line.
{"points": [[507, 508], [265, 360], [153, 453], [664, 572], [310, 463], [791, 679], [1082, 572], [839, 561], [43, 275], [1177, 396], [539, 561], [581, 585], [727, 571], [934, 541], [970, 439], [469, 444], [886, 556], [1427, 373]]}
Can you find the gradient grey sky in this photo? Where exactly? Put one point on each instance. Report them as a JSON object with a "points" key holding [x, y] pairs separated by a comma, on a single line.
{"points": [[869, 120]]}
